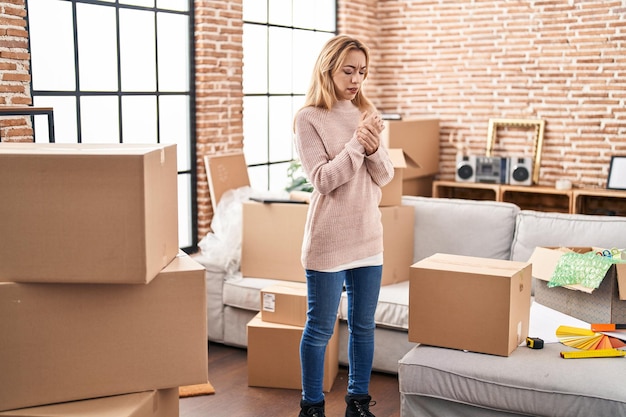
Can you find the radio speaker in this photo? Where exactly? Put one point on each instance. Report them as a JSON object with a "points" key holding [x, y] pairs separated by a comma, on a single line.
{"points": [[465, 168], [521, 171]]}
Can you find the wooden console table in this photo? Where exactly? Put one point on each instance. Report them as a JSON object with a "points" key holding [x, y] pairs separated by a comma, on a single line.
{"points": [[575, 201]]}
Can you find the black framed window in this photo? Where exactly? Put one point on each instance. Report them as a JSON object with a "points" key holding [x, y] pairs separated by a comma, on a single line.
{"points": [[281, 40], [119, 71]]}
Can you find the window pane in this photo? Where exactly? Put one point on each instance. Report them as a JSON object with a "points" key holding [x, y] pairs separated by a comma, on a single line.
{"points": [[281, 126], [254, 59], [145, 3], [319, 15], [52, 45], [137, 50], [174, 126], [278, 177], [173, 52], [99, 119], [307, 45], [255, 129], [258, 177], [64, 109], [184, 211], [180, 5], [280, 12], [255, 11], [139, 122], [97, 47], [281, 60]]}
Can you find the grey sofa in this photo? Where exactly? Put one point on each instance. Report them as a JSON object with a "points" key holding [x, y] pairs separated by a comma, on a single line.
{"points": [[463, 227]]}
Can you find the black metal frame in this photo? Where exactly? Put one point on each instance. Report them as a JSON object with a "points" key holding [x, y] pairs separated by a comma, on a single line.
{"points": [[78, 94], [32, 111]]}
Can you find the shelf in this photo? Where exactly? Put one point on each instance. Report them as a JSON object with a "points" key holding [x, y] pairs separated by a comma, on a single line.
{"points": [[537, 198], [546, 199], [600, 202], [466, 191]]}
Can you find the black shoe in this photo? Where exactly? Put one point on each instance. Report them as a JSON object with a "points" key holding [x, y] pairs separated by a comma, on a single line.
{"points": [[312, 410], [359, 406]]}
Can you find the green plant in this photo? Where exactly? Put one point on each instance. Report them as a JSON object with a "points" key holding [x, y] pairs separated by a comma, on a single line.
{"points": [[297, 178]]}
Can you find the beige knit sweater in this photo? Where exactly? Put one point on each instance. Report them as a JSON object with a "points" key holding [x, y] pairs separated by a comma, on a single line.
{"points": [[343, 222]]}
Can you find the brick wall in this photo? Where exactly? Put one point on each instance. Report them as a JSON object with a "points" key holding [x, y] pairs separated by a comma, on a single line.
{"points": [[219, 94], [14, 70], [466, 62], [462, 61]]}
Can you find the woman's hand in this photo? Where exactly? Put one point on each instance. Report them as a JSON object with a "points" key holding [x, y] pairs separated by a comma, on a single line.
{"points": [[368, 131]]}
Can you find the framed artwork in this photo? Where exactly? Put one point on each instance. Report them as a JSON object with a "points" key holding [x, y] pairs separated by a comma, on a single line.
{"points": [[617, 173], [537, 124]]}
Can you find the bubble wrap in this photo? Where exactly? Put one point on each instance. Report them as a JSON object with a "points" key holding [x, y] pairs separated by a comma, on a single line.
{"points": [[586, 269]]}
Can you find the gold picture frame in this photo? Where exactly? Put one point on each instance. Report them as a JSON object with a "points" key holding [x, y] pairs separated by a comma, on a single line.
{"points": [[537, 124]]}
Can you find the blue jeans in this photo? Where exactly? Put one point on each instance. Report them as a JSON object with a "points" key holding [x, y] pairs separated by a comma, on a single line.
{"points": [[324, 292]]}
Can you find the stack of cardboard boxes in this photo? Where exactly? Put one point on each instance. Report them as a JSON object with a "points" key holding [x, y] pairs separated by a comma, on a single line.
{"points": [[272, 241], [274, 340], [95, 298]]}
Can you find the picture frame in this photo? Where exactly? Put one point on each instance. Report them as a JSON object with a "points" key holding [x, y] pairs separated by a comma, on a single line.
{"points": [[537, 124], [617, 173]]}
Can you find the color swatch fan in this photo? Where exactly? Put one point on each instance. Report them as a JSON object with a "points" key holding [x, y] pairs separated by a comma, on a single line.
{"points": [[587, 339]]}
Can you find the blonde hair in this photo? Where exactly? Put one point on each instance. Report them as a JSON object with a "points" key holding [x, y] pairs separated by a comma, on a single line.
{"points": [[321, 92]]}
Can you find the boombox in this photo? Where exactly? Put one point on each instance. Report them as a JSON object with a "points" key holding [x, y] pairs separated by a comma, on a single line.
{"points": [[494, 170]]}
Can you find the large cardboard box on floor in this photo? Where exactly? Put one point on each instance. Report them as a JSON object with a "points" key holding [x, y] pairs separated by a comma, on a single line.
{"points": [[274, 355], [87, 213], [155, 403], [605, 304], [419, 139], [66, 342], [476, 304], [272, 241], [284, 303]]}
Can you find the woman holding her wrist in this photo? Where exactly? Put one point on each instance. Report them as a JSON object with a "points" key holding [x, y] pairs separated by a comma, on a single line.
{"points": [[338, 142]]}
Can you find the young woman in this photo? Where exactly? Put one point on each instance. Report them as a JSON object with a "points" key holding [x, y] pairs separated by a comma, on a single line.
{"points": [[338, 143]]}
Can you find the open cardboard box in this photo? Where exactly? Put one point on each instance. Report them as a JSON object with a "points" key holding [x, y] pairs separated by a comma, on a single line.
{"points": [[606, 304], [419, 140]]}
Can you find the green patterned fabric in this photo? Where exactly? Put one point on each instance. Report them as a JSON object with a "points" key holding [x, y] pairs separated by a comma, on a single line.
{"points": [[587, 269]]}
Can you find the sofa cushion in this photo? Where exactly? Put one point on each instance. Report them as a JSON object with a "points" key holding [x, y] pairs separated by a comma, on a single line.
{"points": [[558, 229], [462, 227], [245, 293], [393, 306]]}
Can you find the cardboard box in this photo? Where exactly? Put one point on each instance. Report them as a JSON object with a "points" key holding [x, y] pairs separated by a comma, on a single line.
{"points": [[419, 139], [422, 186], [392, 192], [606, 304], [225, 172], [66, 342], [87, 213], [272, 241], [476, 304], [284, 303], [156, 403], [274, 355]]}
